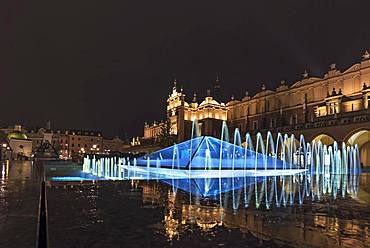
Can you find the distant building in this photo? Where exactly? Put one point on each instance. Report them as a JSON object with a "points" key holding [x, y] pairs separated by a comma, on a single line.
{"points": [[115, 145], [16, 146], [26, 142], [41, 135]]}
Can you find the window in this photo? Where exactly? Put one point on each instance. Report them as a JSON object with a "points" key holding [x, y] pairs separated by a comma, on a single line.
{"points": [[73, 138], [73, 145], [78, 145], [255, 125], [85, 145], [272, 123]]}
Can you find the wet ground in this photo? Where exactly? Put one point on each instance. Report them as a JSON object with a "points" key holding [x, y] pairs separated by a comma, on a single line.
{"points": [[19, 199], [152, 214]]}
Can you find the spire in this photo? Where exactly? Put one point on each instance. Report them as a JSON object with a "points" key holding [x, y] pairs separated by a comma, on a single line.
{"points": [[195, 97], [174, 88], [175, 83], [217, 79], [305, 74], [208, 92], [48, 125], [217, 89]]}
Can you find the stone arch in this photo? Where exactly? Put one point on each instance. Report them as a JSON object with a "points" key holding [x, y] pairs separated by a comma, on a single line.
{"points": [[325, 139], [361, 137]]}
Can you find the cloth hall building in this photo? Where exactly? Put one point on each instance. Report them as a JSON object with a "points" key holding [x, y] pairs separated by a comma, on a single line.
{"points": [[312, 106]]}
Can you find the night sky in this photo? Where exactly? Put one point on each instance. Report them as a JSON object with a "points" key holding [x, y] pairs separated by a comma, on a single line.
{"points": [[99, 65]]}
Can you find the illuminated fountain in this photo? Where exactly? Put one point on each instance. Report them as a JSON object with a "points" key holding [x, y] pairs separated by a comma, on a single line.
{"points": [[208, 157], [274, 171]]}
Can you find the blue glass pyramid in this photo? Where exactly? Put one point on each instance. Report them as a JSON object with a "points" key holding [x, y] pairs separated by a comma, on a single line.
{"points": [[211, 187], [207, 152]]}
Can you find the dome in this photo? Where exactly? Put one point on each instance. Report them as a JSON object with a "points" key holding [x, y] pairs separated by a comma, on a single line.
{"points": [[16, 135]]}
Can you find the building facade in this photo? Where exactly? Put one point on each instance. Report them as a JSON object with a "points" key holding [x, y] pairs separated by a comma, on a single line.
{"points": [[115, 145], [23, 142], [71, 143], [312, 106], [209, 114], [16, 145]]}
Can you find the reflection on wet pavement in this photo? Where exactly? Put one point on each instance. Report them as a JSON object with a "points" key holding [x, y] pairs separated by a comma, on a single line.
{"points": [[141, 213], [19, 199]]}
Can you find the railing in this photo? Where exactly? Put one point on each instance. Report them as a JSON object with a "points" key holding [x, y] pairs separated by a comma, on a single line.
{"points": [[42, 227]]}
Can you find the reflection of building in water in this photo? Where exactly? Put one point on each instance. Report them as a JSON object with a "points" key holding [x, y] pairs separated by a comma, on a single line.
{"points": [[284, 225], [305, 226], [4, 170], [171, 224], [206, 217], [151, 193]]}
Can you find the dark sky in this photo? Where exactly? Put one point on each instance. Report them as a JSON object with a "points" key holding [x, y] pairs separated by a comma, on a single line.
{"points": [[108, 65]]}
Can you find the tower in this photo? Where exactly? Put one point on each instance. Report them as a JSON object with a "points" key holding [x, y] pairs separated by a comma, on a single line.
{"points": [[217, 89], [175, 111]]}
